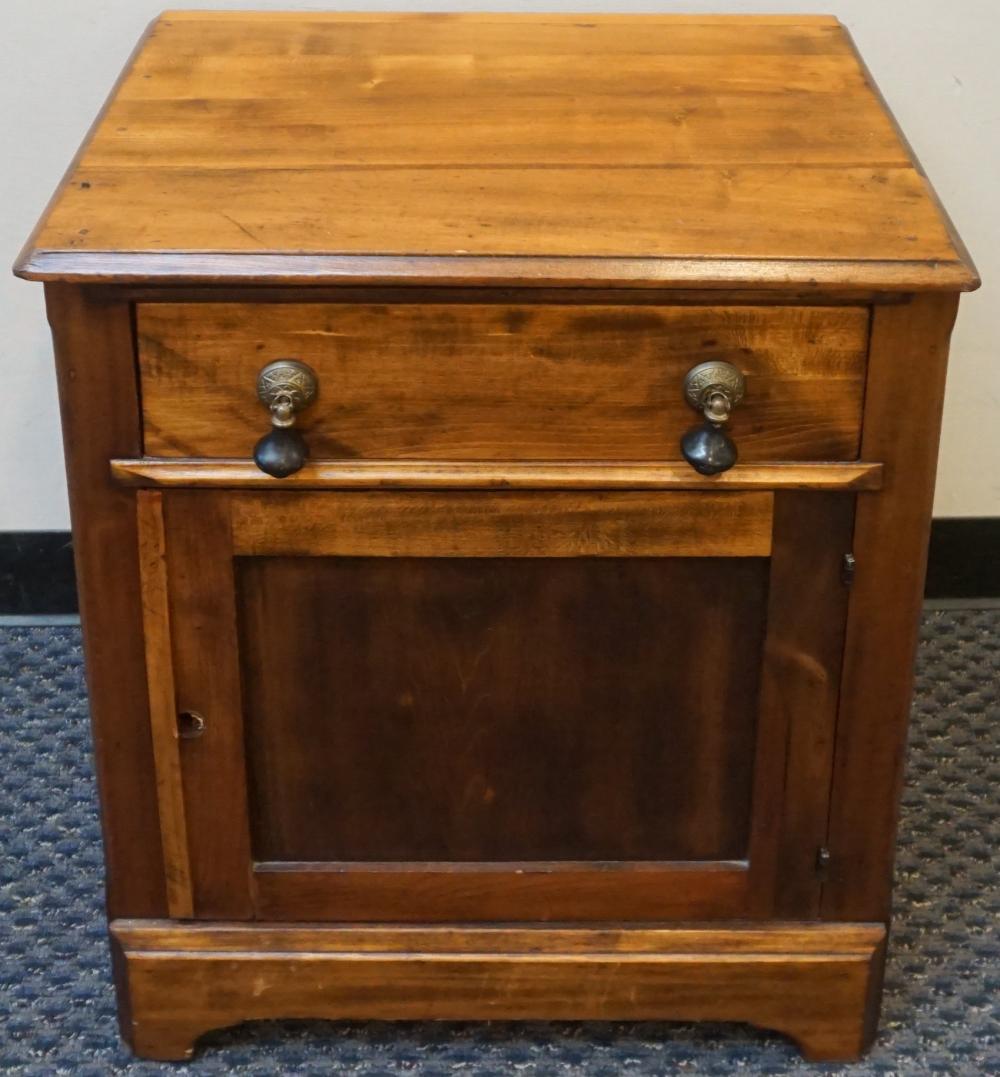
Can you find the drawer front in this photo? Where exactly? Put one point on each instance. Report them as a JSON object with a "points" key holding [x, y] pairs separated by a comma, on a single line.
{"points": [[497, 382]]}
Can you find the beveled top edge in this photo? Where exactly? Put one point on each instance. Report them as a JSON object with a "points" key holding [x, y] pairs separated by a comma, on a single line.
{"points": [[217, 15], [193, 267]]}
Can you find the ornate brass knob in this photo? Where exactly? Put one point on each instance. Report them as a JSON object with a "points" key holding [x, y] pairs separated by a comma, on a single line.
{"points": [[713, 388], [285, 387]]}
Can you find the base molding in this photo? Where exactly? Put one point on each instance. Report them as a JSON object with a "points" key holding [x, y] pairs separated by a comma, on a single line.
{"points": [[816, 983]]}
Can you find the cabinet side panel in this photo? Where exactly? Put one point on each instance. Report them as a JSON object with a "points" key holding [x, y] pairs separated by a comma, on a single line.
{"points": [[902, 423], [100, 416]]}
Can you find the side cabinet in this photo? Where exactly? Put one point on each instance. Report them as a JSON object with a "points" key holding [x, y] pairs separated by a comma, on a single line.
{"points": [[557, 662], [478, 735]]}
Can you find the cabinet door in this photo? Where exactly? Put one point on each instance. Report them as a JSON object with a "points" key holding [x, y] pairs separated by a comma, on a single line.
{"points": [[395, 705]]}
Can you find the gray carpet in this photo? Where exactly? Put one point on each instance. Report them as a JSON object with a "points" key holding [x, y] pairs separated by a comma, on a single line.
{"points": [[941, 1014]]}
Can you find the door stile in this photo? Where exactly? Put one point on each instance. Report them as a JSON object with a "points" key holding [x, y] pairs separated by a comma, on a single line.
{"points": [[202, 593], [162, 703], [799, 697]]}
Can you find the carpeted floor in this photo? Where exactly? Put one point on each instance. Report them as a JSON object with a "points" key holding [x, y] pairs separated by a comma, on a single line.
{"points": [[941, 1014]]}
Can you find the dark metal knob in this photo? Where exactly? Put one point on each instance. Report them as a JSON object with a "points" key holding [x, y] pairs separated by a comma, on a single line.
{"points": [[708, 449], [713, 388], [281, 453], [285, 387]]}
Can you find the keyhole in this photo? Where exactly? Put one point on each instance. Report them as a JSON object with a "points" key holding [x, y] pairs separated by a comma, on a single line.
{"points": [[190, 724]]}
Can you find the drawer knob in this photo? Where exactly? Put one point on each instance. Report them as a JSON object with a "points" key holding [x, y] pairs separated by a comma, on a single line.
{"points": [[285, 387], [713, 388]]}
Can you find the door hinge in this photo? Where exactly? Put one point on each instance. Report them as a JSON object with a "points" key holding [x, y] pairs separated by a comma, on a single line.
{"points": [[822, 861], [847, 567]]}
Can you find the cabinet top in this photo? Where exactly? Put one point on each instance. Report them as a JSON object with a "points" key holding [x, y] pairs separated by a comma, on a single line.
{"points": [[689, 151]]}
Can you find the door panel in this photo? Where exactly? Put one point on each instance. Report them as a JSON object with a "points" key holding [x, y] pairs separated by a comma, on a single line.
{"points": [[500, 709], [533, 720]]}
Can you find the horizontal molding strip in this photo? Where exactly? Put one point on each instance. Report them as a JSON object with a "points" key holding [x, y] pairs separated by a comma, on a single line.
{"points": [[227, 936], [207, 267], [462, 475]]}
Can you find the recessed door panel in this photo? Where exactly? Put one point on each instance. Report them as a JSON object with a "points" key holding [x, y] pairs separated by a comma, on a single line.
{"points": [[490, 709]]}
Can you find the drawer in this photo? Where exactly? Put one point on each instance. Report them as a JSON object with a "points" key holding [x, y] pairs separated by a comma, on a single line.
{"points": [[464, 381]]}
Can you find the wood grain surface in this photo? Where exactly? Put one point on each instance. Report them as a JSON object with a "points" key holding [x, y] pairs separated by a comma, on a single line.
{"points": [[163, 710], [536, 720], [811, 982], [800, 692], [500, 475], [516, 524], [497, 382], [902, 426], [207, 681], [98, 393], [674, 139]]}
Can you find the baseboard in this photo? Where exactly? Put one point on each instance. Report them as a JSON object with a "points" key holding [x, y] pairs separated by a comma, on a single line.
{"points": [[964, 559], [36, 573], [37, 578]]}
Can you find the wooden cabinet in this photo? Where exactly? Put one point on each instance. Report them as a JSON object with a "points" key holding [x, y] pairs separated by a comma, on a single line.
{"points": [[507, 703]]}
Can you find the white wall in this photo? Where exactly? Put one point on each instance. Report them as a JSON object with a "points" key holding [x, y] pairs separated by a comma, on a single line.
{"points": [[936, 63]]}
